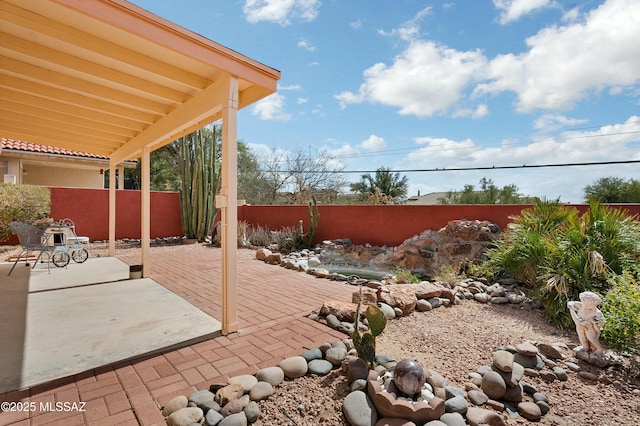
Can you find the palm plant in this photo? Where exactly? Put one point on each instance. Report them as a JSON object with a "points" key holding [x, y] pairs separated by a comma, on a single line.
{"points": [[560, 253]]}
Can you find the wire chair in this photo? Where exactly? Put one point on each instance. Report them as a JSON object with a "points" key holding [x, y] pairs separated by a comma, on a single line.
{"points": [[32, 239]]}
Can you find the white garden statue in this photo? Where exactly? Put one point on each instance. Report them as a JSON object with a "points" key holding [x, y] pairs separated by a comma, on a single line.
{"points": [[588, 319]]}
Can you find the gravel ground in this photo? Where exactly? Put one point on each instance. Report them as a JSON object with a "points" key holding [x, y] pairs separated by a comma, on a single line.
{"points": [[455, 341]]}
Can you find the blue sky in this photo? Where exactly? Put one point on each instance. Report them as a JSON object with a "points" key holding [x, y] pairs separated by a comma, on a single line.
{"points": [[409, 84]]}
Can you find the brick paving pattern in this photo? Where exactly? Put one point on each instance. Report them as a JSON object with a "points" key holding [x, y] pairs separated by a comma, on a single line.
{"points": [[272, 306]]}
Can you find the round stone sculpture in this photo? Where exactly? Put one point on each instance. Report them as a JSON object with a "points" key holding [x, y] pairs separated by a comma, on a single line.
{"points": [[409, 377]]}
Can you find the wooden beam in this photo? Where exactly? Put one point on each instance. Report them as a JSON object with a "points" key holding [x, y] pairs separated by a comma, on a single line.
{"points": [[197, 109]]}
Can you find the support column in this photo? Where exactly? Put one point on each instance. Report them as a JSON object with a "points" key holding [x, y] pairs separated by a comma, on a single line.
{"points": [[145, 208], [227, 202], [112, 209], [121, 177]]}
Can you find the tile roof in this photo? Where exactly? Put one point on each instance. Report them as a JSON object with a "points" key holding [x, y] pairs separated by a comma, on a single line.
{"points": [[43, 149]]}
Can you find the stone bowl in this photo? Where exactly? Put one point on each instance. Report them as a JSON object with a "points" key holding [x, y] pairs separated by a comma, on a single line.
{"points": [[419, 412]]}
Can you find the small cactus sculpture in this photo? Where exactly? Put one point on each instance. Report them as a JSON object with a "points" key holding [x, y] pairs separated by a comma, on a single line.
{"points": [[365, 341]]}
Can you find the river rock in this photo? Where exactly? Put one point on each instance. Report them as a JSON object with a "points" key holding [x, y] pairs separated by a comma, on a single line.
{"points": [[247, 381], [388, 421], [530, 411], [235, 406], [238, 419], [423, 306], [493, 385], [320, 367], [452, 419], [294, 367], [550, 351], [482, 297], [272, 375], [527, 349], [201, 396], [457, 404], [185, 416], [229, 393], [336, 355], [359, 410], [262, 390], [174, 405], [503, 360], [477, 397], [312, 354], [252, 412], [213, 418], [479, 416], [387, 310]]}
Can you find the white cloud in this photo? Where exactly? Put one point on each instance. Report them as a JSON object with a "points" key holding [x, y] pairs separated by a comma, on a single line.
{"points": [[271, 108], [562, 66], [615, 142], [306, 45], [567, 64], [302, 101], [424, 79], [552, 122], [512, 10], [410, 29], [356, 24], [290, 87], [281, 11], [373, 143]]}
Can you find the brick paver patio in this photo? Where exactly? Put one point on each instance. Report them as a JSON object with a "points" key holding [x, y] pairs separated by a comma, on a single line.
{"points": [[272, 306]]}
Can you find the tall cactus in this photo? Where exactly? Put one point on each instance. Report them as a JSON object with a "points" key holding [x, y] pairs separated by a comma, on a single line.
{"points": [[200, 176]]}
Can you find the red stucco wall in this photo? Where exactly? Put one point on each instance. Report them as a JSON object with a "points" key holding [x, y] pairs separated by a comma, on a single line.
{"points": [[376, 225], [89, 209]]}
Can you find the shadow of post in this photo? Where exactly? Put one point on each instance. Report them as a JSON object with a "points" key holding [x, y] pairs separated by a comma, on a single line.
{"points": [[14, 290]]}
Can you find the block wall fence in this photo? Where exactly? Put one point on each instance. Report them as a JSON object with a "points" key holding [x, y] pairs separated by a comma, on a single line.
{"points": [[376, 225]]}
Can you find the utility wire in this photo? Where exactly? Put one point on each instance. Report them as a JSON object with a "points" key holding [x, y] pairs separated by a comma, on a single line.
{"points": [[457, 169]]}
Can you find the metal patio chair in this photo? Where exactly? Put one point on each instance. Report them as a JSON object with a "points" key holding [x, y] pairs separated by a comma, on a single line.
{"points": [[33, 239]]}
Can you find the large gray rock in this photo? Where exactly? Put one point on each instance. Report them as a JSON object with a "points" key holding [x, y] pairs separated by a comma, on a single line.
{"points": [[359, 410], [213, 418], [239, 419], [336, 355], [453, 419], [457, 404], [479, 416]]}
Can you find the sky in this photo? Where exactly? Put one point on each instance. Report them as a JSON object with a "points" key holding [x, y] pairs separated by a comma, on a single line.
{"points": [[415, 86]]}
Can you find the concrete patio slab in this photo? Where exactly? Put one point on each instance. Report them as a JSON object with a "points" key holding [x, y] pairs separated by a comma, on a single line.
{"points": [[57, 332], [94, 270]]}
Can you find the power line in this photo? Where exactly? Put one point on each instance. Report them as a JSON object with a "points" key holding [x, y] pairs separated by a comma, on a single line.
{"points": [[458, 169]]}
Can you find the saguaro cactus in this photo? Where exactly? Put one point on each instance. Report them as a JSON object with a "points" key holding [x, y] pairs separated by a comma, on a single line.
{"points": [[200, 177]]}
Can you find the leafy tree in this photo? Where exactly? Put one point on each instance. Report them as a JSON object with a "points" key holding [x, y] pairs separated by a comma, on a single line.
{"points": [[385, 186], [488, 193], [613, 190]]}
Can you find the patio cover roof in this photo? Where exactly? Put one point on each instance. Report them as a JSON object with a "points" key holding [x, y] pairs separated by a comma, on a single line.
{"points": [[110, 78]]}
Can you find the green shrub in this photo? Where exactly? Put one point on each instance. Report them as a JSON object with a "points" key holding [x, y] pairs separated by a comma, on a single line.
{"points": [[405, 277], [23, 203], [621, 309], [560, 253]]}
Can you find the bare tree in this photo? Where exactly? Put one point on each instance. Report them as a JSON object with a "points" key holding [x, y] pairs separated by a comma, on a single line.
{"points": [[296, 177]]}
